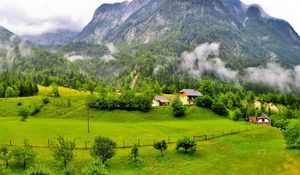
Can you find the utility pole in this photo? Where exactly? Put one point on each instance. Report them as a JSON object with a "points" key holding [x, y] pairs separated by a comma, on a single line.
{"points": [[88, 125]]}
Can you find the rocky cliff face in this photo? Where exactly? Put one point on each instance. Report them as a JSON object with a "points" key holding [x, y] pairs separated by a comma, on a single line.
{"points": [[242, 31]]}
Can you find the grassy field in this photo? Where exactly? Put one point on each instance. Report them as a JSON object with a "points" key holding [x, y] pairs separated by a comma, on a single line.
{"points": [[260, 151]]}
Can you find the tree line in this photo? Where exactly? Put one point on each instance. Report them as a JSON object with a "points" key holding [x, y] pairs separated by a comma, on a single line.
{"points": [[14, 84]]}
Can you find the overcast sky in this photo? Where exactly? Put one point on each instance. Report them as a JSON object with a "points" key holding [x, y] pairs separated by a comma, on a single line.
{"points": [[40, 16]]}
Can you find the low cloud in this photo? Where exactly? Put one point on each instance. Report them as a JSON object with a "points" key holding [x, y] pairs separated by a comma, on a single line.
{"points": [[113, 50], [198, 62], [204, 60], [276, 76]]}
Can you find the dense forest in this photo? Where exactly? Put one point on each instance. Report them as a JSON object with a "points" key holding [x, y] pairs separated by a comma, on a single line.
{"points": [[14, 84]]}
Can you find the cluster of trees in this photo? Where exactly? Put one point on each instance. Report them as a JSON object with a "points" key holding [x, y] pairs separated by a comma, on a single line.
{"points": [[224, 96], [46, 68], [102, 150], [14, 84], [127, 100]]}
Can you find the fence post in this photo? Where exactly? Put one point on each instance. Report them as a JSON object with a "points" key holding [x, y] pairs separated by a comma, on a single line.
{"points": [[10, 142], [48, 143]]}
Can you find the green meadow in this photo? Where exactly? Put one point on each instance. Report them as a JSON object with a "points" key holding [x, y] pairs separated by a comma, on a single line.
{"points": [[260, 151]]}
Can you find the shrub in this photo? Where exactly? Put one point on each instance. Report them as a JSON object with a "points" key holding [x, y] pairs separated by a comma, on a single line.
{"points": [[24, 155], [93, 168], [36, 109], [37, 170], [24, 112], [55, 91], [204, 101], [4, 170], [161, 146], [292, 134], [103, 149], [69, 170], [237, 114], [219, 108], [178, 109], [45, 100], [5, 155], [10, 92], [186, 144], [19, 103]]}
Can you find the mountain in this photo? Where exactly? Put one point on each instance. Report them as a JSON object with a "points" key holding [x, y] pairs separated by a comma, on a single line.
{"points": [[60, 37], [247, 35], [7, 37], [12, 48], [107, 17]]}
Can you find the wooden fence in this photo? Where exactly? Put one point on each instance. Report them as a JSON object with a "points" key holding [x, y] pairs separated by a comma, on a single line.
{"points": [[128, 142]]}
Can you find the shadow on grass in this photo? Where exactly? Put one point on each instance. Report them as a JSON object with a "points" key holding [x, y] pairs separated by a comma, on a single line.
{"points": [[188, 155], [136, 164]]}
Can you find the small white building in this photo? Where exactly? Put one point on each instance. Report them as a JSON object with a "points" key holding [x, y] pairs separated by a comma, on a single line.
{"points": [[160, 101]]}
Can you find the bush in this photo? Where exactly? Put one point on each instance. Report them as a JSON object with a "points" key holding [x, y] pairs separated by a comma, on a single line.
{"points": [[219, 108], [186, 144], [24, 112], [45, 100], [69, 170], [19, 103], [204, 101], [93, 168], [103, 149], [55, 91], [178, 109], [36, 109], [37, 170], [237, 115], [292, 134], [24, 155], [4, 170], [161, 146], [10, 92], [5, 155]]}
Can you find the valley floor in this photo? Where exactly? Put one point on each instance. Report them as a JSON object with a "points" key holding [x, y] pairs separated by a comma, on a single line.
{"points": [[260, 151]]}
